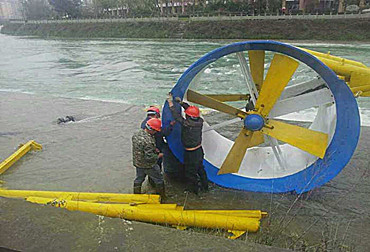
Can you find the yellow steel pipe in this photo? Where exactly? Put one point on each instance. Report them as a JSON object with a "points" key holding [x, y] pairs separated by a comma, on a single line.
{"points": [[101, 197], [335, 58], [361, 91], [30, 145], [179, 217], [365, 88], [50, 201], [356, 74], [359, 79], [140, 200], [366, 94], [243, 213], [345, 69]]}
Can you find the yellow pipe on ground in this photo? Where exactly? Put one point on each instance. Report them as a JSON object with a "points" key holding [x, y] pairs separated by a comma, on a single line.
{"points": [[187, 218], [30, 145], [51, 201], [101, 197], [243, 213]]}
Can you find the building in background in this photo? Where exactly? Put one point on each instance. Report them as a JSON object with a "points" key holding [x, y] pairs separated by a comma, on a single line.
{"points": [[324, 6], [10, 9]]}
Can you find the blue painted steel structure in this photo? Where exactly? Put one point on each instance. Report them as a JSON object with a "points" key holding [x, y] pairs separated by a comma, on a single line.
{"points": [[254, 122], [338, 153]]}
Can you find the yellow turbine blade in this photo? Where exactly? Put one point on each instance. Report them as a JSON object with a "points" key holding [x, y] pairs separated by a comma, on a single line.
{"points": [[257, 139], [281, 70], [209, 102], [313, 142], [245, 140], [228, 97], [257, 66]]}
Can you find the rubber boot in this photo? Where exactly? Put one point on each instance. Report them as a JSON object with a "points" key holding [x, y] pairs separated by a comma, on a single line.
{"points": [[192, 186], [205, 188], [137, 188], [204, 185], [161, 191]]}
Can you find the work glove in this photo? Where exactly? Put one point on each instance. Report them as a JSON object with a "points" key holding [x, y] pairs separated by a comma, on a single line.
{"points": [[170, 99]]}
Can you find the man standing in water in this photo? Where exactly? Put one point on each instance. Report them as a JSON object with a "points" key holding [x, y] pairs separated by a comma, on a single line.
{"points": [[145, 156], [191, 137]]}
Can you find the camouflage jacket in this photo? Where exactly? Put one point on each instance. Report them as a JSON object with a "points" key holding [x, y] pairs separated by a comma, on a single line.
{"points": [[144, 153]]}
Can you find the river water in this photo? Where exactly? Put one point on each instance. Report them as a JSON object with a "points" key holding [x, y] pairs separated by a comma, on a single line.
{"points": [[114, 70], [119, 70], [36, 75]]}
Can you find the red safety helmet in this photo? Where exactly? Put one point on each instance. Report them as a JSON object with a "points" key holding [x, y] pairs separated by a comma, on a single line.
{"points": [[153, 111], [192, 111], [154, 124]]}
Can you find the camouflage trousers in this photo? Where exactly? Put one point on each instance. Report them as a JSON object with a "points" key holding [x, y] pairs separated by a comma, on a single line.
{"points": [[154, 173]]}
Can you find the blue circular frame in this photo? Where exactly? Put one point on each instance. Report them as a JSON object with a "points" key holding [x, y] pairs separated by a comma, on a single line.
{"points": [[338, 153]]}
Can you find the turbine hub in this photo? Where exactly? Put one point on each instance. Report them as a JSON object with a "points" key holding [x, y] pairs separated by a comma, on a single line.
{"points": [[254, 122]]}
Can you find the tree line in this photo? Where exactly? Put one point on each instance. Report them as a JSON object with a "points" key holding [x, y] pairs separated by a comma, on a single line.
{"points": [[58, 9]]}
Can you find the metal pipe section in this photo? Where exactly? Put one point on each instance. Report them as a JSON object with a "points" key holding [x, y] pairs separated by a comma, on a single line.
{"points": [[30, 145], [87, 196], [356, 74], [344, 69], [335, 58], [176, 217], [242, 213]]}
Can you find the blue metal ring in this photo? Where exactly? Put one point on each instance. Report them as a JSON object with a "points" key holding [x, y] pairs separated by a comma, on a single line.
{"points": [[338, 153]]}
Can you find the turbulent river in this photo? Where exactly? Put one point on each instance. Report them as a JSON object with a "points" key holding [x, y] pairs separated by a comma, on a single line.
{"points": [[139, 72]]}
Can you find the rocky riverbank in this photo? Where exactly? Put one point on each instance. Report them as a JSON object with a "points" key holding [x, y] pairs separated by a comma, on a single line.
{"points": [[345, 29]]}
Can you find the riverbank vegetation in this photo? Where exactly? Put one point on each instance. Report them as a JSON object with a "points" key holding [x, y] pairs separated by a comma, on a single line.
{"points": [[66, 9], [287, 29]]}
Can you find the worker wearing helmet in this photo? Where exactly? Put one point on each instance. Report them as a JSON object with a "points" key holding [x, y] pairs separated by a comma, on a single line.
{"points": [[145, 156], [151, 112], [191, 137]]}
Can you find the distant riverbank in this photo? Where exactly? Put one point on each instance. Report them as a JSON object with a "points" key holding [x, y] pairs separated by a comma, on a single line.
{"points": [[344, 29]]}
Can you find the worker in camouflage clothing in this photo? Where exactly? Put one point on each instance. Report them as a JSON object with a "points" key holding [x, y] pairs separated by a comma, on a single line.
{"points": [[145, 156]]}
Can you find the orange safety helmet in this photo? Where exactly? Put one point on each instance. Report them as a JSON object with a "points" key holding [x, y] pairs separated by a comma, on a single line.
{"points": [[154, 124], [153, 111], [192, 111]]}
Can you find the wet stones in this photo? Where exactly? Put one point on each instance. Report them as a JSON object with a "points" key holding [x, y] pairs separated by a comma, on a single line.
{"points": [[65, 120]]}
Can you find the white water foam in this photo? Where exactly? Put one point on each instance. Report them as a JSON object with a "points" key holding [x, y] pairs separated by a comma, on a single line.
{"points": [[16, 91]]}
